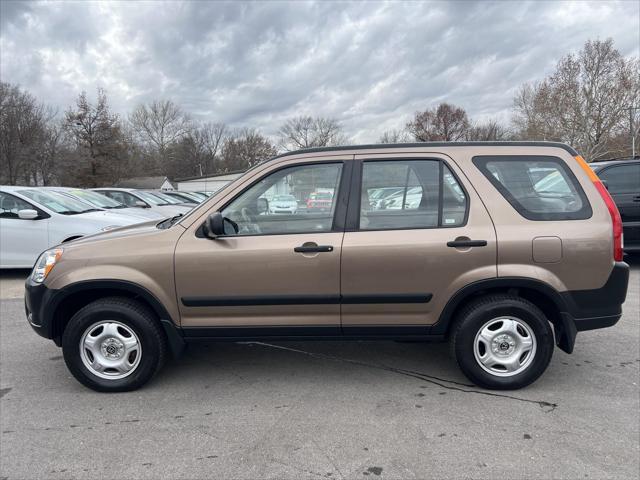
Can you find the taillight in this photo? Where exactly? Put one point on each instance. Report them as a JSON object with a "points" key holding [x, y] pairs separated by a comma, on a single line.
{"points": [[611, 206]]}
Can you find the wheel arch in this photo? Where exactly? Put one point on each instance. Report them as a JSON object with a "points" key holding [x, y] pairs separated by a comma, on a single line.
{"points": [[539, 293]]}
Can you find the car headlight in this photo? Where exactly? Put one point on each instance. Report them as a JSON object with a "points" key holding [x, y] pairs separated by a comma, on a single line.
{"points": [[45, 263], [110, 227]]}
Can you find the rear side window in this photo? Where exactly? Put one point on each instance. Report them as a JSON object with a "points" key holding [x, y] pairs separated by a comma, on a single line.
{"points": [[410, 194], [538, 187], [622, 178]]}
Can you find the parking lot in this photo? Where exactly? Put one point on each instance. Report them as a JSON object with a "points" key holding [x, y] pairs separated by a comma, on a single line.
{"points": [[321, 410]]}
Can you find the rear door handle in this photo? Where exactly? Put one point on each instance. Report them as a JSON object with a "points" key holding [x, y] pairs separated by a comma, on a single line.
{"points": [[467, 243], [313, 249]]}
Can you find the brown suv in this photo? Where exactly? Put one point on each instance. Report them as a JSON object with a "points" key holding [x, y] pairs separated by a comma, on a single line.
{"points": [[496, 247]]}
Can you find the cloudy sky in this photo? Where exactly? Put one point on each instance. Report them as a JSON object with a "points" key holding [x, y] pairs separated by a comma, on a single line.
{"points": [[370, 65]]}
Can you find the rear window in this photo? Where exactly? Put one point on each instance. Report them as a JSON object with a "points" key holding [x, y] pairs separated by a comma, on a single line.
{"points": [[538, 187]]}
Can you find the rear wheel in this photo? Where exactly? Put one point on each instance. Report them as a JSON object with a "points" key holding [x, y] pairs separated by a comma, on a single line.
{"points": [[113, 345], [502, 342]]}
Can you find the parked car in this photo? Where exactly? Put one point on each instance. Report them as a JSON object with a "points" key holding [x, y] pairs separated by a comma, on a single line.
{"points": [[184, 197], [141, 199], [32, 220], [500, 266], [168, 198], [622, 179], [320, 201], [105, 203], [283, 204]]}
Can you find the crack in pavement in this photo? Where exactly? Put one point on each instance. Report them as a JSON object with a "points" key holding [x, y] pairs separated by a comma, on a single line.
{"points": [[455, 386]]}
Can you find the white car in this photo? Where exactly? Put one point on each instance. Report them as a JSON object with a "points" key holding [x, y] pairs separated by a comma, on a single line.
{"points": [[103, 202], [283, 204], [141, 199], [33, 220]]}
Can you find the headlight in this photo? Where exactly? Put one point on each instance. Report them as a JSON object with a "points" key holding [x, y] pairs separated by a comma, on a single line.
{"points": [[45, 263], [110, 227]]}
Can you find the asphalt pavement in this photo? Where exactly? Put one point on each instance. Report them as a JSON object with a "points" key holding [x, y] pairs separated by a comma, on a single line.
{"points": [[328, 410]]}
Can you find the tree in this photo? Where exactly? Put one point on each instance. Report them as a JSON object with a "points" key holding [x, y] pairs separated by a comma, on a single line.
{"points": [[100, 143], [488, 131], [244, 149], [23, 130], [159, 125], [309, 132], [395, 136], [444, 123], [584, 102]]}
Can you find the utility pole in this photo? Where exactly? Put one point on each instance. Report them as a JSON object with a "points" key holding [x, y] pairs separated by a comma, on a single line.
{"points": [[632, 130]]}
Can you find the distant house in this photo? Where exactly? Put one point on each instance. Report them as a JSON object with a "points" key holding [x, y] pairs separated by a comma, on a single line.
{"points": [[211, 183], [147, 183]]}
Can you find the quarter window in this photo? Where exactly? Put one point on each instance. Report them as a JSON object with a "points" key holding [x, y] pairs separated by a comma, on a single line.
{"points": [[300, 199], [538, 187], [410, 194]]}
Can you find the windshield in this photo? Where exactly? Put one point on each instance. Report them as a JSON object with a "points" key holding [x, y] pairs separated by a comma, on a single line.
{"points": [[151, 198], [95, 199], [167, 198], [58, 202]]}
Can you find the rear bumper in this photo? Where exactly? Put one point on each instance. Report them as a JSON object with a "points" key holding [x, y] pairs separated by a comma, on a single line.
{"points": [[592, 309]]}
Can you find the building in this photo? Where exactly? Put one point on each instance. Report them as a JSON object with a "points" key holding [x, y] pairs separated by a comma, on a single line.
{"points": [[147, 183], [211, 183]]}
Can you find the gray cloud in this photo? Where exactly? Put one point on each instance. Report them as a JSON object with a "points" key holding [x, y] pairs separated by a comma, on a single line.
{"points": [[371, 65]]}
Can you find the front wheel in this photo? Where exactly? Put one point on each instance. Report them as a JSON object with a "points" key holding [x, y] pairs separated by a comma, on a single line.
{"points": [[502, 342], [113, 345]]}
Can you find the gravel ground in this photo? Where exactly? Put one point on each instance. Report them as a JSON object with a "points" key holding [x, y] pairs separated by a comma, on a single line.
{"points": [[321, 410]]}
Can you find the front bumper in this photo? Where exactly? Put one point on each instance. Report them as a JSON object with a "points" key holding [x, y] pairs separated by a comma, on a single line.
{"points": [[37, 301]]}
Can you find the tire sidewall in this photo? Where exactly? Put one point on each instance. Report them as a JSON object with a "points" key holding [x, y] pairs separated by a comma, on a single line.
{"points": [[133, 319], [477, 318]]}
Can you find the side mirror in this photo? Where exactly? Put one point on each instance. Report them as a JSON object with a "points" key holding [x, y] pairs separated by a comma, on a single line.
{"points": [[214, 226], [262, 206], [28, 214], [606, 185], [141, 204]]}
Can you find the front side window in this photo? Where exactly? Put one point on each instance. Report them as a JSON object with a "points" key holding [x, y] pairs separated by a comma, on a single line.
{"points": [[410, 194], [10, 206], [297, 199], [622, 178], [538, 187]]}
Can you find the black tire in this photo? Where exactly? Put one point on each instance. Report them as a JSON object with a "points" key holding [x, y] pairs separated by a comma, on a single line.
{"points": [[474, 316], [136, 317]]}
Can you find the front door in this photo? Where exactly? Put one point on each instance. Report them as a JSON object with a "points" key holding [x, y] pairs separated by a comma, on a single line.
{"points": [[278, 270], [623, 183], [416, 233]]}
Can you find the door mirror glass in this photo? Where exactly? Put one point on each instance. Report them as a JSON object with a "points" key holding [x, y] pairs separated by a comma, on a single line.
{"points": [[28, 214], [262, 206], [141, 204]]}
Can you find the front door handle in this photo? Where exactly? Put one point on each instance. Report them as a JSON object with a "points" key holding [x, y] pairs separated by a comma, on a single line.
{"points": [[313, 249], [467, 243]]}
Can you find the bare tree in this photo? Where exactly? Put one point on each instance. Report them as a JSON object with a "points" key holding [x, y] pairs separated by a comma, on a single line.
{"points": [[584, 102], [488, 131], [309, 132], [444, 123], [23, 126], [160, 124], [395, 136], [244, 149], [99, 141]]}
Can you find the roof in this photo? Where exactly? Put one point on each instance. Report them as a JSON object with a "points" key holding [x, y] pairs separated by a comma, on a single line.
{"points": [[143, 182], [385, 146], [605, 163], [202, 177]]}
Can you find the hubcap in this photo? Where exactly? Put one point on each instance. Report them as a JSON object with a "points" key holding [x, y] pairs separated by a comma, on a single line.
{"points": [[110, 349], [505, 346]]}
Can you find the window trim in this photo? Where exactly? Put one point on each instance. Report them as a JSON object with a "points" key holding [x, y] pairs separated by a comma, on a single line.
{"points": [[355, 196], [339, 214], [585, 213], [42, 215], [611, 167]]}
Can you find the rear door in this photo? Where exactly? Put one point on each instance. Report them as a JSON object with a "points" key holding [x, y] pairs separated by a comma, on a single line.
{"points": [[623, 183], [416, 233]]}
